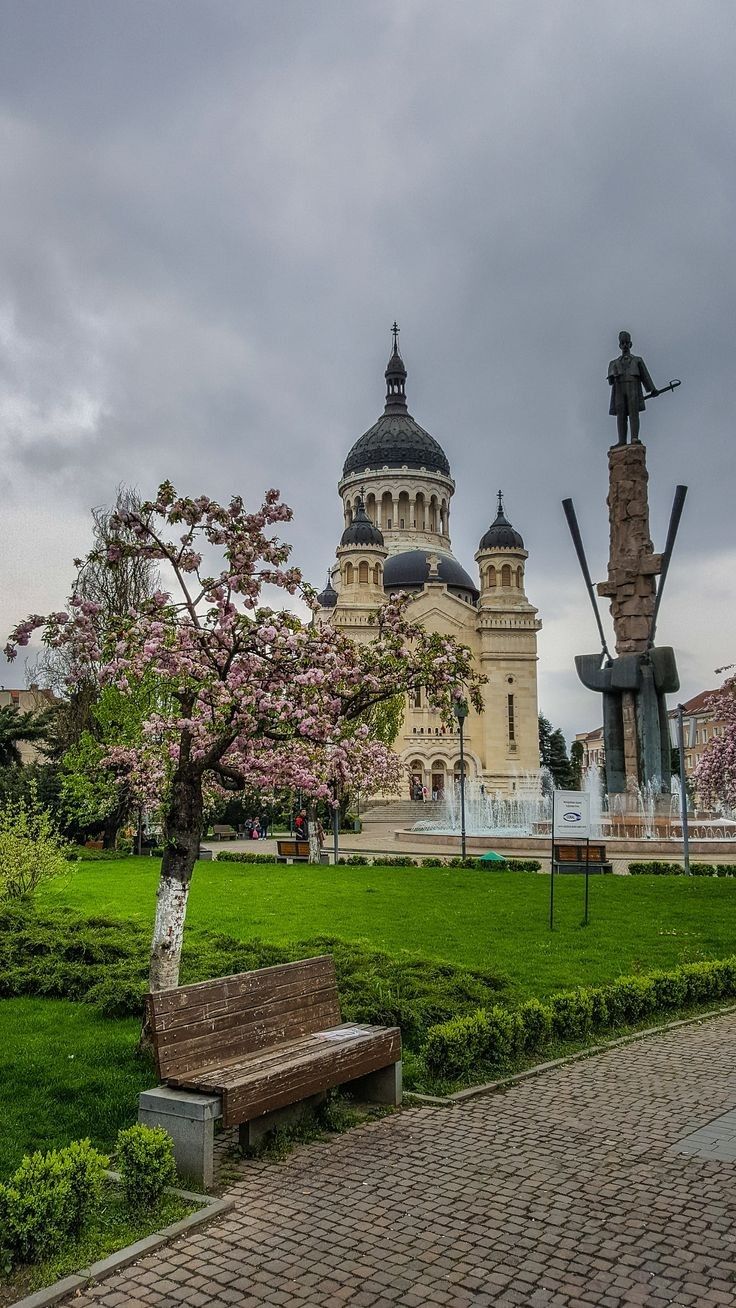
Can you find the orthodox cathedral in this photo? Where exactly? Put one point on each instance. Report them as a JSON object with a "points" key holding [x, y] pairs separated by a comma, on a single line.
{"points": [[396, 489]]}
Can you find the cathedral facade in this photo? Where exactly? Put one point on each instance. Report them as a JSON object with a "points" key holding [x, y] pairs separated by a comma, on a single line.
{"points": [[396, 489]]}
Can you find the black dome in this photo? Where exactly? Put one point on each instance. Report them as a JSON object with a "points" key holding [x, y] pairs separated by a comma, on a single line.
{"points": [[394, 441], [410, 570], [361, 530], [327, 598], [500, 534]]}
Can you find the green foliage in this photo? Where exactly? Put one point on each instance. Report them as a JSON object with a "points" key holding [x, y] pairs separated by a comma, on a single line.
{"points": [[105, 963], [473, 1046], [432, 862], [228, 856], [398, 860], [576, 765], [48, 1201], [658, 868], [355, 860], [31, 849], [18, 728], [145, 1156]]}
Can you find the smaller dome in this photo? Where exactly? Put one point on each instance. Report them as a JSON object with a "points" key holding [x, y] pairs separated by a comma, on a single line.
{"points": [[500, 534], [361, 530], [327, 598]]}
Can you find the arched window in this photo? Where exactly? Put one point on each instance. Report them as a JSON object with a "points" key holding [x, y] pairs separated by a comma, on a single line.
{"points": [[519, 578], [438, 779], [377, 575], [363, 573], [506, 576], [348, 574], [387, 510], [492, 582]]}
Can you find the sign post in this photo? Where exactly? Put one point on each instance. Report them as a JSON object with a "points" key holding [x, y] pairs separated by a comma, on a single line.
{"points": [[570, 821]]}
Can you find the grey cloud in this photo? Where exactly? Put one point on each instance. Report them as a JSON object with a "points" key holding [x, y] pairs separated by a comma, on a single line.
{"points": [[213, 211]]}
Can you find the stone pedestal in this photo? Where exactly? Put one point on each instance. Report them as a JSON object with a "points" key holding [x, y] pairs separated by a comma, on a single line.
{"points": [[632, 564]]}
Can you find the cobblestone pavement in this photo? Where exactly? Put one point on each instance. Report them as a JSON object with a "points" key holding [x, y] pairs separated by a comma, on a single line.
{"points": [[565, 1191]]}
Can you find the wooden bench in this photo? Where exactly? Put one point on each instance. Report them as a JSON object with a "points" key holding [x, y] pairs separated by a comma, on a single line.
{"points": [[297, 851], [572, 858], [251, 1048], [224, 832]]}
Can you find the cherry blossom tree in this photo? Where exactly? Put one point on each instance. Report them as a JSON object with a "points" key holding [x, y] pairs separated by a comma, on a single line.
{"points": [[250, 695], [715, 777]]}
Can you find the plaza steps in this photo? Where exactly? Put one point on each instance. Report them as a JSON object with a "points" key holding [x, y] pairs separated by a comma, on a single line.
{"points": [[402, 814]]}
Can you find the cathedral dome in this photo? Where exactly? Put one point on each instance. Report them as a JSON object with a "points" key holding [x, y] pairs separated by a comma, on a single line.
{"points": [[411, 571], [396, 440], [361, 530], [327, 598], [500, 534]]}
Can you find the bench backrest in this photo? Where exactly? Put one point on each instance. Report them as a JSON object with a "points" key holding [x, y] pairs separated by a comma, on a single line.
{"points": [[213, 1022], [293, 848], [576, 853]]}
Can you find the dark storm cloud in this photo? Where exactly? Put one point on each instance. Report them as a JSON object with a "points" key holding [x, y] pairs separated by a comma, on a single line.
{"points": [[213, 211]]}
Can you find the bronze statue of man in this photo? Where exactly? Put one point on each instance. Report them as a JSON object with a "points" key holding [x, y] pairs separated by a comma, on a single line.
{"points": [[628, 377]]}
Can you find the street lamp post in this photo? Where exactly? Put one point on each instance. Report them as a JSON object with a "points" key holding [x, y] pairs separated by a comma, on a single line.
{"points": [[461, 712]]}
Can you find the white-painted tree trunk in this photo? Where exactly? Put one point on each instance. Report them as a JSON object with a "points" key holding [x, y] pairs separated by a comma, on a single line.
{"points": [[168, 933], [315, 848]]}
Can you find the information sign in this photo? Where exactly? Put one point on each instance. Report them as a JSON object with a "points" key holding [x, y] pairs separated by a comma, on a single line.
{"points": [[571, 814]]}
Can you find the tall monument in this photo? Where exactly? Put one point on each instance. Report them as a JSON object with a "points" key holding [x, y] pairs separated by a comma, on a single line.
{"points": [[633, 684]]}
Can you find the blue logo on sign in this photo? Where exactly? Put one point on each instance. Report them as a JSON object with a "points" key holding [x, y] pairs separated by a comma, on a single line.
{"points": [[571, 817]]}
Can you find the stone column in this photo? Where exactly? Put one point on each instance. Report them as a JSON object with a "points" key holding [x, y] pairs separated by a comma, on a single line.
{"points": [[630, 585]]}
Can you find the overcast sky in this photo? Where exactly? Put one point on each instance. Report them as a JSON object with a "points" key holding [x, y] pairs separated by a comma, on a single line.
{"points": [[212, 212]]}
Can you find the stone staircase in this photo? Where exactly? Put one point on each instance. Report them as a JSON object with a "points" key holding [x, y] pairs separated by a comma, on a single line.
{"points": [[401, 814]]}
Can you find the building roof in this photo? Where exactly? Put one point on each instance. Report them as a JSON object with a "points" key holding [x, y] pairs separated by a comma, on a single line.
{"points": [[698, 704], [500, 534], [410, 571], [396, 440], [596, 734]]}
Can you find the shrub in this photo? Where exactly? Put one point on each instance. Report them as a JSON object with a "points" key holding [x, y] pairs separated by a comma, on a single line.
{"points": [[599, 1015], [398, 860], [670, 989], [456, 1049], [657, 868], [523, 865], [228, 856], [432, 862], [356, 860], [145, 1155], [572, 1014], [31, 849], [536, 1021], [48, 1201]]}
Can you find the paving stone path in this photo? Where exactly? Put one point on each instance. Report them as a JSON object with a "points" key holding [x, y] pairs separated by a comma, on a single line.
{"points": [[565, 1191]]}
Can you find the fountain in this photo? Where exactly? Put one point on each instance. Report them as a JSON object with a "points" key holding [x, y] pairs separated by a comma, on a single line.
{"points": [[523, 817]]}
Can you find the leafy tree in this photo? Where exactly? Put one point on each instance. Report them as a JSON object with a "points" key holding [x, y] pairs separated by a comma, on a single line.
{"points": [[252, 697], [18, 728], [576, 765], [715, 777], [31, 849], [559, 763], [545, 737]]}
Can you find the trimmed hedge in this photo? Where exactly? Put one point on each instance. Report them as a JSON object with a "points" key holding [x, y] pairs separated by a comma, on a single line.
{"points": [[228, 856], [467, 1048], [48, 1201], [146, 1158], [660, 869]]}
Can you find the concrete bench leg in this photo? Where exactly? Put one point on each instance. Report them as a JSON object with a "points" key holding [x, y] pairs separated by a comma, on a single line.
{"points": [[189, 1118], [252, 1134], [381, 1087]]}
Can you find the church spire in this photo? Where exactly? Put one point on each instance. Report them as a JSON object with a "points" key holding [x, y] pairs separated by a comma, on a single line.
{"points": [[395, 378]]}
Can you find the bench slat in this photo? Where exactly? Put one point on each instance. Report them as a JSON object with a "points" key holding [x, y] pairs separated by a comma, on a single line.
{"points": [[217, 1020], [266, 1081], [212, 1048]]}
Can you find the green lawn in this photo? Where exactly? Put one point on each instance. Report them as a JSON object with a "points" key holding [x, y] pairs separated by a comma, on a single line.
{"points": [[491, 920], [65, 1073]]}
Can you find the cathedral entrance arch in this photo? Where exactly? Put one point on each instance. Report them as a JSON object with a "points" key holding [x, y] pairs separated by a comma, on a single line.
{"points": [[439, 776]]}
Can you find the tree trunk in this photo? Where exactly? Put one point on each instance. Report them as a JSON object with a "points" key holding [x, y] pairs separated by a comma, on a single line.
{"points": [[182, 833], [315, 847]]}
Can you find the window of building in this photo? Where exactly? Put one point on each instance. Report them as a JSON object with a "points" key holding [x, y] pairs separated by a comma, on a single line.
{"points": [[418, 697], [348, 574], [363, 573], [512, 721], [506, 576]]}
